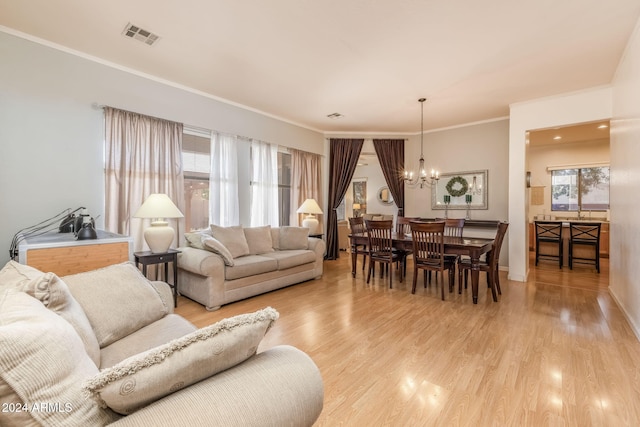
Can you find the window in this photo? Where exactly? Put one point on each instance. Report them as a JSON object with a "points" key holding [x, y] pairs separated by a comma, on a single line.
{"points": [[284, 187], [580, 189], [196, 169]]}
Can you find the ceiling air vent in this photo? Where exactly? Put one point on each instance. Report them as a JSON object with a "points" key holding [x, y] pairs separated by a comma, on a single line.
{"points": [[140, 34]]}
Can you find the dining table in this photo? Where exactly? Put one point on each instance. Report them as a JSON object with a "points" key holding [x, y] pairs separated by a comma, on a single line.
{"points": [[473, 247]]}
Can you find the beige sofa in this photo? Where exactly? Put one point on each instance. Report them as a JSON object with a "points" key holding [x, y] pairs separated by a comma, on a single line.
{"points": [[257, 260], [104, 348]]}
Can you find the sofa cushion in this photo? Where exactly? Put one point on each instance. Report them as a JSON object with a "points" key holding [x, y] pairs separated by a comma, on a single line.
{"points": [[146, 377], [53, 292], [157, 333], [117, 299], [259, 239], [232, 238], [250, 265], [294, 238], [43, 361], [292, 258], [214, 245]]}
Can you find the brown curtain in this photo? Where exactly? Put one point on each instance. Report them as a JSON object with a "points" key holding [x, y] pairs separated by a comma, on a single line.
{"points": [[305, 167], [343, 160], [390, 153], [143, 155]]}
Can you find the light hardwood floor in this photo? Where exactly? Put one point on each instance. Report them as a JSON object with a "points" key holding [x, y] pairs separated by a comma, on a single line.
{"points": [[555, 351]]}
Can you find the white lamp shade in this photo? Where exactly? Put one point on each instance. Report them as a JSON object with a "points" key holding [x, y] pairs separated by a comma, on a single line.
{"points": [[159, 236], [310, 206], [158, 205]]}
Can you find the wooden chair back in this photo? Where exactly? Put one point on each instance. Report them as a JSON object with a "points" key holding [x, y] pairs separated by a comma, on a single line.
{"points": [[403, 224], [428, 244], [379, 233], [357, 225], [494, 255], [453, 227]]}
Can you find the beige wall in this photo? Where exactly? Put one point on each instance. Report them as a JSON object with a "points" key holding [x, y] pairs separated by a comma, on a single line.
{"points": [[561, 110], [625, 181], [577, 153], [52, 137]]}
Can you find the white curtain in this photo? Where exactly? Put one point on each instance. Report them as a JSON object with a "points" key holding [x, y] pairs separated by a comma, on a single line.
{"points": [[264, 184], [223, 181], [143, 155]]}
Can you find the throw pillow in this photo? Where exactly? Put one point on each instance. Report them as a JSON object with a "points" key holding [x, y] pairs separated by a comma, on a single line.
{"points": [[294, 238], [259, 239], [232, 238], [149, 376], [117, 299], [43, 365], [194, 239], [214, 245], [51, 291]]}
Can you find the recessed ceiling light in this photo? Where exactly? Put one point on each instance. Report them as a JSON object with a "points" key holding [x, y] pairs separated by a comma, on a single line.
{"points": [[334, 116], [557, 138]]}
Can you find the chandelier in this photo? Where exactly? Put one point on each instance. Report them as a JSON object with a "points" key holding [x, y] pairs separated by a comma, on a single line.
{"points": [[421, 179]]}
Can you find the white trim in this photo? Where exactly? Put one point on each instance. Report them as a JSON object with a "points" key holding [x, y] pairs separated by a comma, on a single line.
{"points": [[577, 166], [625, 313], [196, 131]]}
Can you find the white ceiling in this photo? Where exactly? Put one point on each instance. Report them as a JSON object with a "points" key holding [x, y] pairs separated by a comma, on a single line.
{"points": [[369, 60]]}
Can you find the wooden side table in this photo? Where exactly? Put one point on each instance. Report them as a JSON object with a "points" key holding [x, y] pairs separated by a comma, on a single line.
{"points": [[149, 258]]}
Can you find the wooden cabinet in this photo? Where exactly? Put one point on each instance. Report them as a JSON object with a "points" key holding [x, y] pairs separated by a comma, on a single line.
{"points": [[62, 254], [604, 240]]}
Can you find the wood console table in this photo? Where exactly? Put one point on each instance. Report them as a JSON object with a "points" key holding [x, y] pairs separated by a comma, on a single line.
{"points": [[62, 254]]}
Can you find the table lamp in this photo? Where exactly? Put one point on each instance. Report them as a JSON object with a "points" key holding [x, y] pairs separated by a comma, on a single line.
{"points": [[311, 208], [158, 207]]}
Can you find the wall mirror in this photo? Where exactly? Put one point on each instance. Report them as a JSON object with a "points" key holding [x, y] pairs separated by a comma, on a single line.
{"points": [[384, 196]]}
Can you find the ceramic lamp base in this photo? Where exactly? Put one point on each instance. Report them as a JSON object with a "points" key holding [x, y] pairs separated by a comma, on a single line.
{"points": [[311, 223], [159, 237]]}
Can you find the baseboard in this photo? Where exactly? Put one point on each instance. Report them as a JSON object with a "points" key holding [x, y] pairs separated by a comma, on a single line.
{"points": [[634, 327]]}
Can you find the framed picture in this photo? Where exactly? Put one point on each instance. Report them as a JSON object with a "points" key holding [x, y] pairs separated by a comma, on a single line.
{"points": [[461, 190], [359, 196]]}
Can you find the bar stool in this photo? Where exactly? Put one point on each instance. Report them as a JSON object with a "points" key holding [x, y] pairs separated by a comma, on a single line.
{"points": [[549, 232], [584, 234]]}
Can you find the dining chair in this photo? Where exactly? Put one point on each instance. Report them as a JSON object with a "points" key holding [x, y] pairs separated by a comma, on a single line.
{"points": [[428, 252], [551, 233], [381, 247], [403, 227], [584, 234], [357, 227], [491, 264]]}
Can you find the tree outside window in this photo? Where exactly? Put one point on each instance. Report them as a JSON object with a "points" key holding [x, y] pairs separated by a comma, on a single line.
{"points": [[585, 189]]}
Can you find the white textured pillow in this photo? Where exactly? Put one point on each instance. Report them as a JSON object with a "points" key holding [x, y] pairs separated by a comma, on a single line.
{"points": [[232, 238], [118, 300], [51, 291], [214, 245], [149, 376], [194, 238], [259, 239], [294, 238], [43, 361]]}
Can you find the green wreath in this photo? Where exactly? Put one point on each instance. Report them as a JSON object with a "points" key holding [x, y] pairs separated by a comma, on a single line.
{"points": [[464, 186]]}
